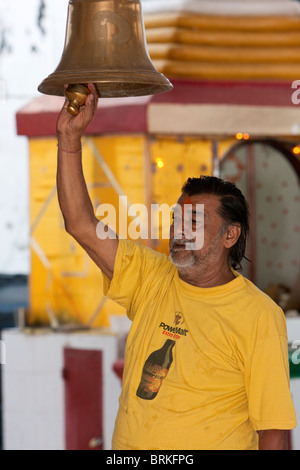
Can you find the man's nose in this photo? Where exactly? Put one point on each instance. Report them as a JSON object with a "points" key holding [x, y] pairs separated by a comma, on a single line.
{"points": [[178, 229]]}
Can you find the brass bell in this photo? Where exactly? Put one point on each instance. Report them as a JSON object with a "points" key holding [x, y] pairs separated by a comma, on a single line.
{"points": [[106, 45]]}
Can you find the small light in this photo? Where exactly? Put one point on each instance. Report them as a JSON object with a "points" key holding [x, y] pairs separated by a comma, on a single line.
{"points": [[242, 136], [296, 150], [159, 163]]}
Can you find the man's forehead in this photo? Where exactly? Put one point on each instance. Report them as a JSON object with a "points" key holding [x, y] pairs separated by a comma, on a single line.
{"points": [[184, 200]]}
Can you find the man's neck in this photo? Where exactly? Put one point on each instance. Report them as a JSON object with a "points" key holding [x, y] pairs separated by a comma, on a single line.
{"points": [[204, 279]]}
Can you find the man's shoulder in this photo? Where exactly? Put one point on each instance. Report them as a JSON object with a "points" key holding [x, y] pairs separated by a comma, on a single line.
{"points": [[261, 298], [135, 249], [266, 314]]}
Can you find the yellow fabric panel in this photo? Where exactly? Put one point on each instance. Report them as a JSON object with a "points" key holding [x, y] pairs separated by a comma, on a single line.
{"points": [[220, 22], [42, 175], [218, 47], [125, 158], [249, 55], [227, 38], [234, 71], [64, 282]]}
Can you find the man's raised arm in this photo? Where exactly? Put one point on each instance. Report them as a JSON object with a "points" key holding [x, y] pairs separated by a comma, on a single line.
{"points": [[77, 209]]}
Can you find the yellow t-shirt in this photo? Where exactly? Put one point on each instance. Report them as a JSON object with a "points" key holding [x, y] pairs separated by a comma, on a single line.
{"points": [[220, 371]]}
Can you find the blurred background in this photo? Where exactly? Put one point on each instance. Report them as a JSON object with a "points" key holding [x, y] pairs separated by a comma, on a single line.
{"points": [[231, 114]]}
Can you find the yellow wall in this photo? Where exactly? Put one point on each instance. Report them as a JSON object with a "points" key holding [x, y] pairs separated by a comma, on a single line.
{"points": [[64, 282]]}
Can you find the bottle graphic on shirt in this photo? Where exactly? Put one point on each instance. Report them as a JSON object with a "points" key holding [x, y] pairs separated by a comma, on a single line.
{"points": [[155, 371]]}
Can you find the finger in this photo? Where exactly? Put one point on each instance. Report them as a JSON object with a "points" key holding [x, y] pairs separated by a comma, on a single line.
{"points": [[92, 88], [89, 108], [92, 100], [64, 107]]}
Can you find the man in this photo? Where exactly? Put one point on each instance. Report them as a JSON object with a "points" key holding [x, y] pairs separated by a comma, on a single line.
{"points": [[206, 358]]}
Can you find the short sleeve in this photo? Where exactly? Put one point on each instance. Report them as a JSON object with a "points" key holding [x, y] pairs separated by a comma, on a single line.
{"points": [[267, 378], [136, 269]]}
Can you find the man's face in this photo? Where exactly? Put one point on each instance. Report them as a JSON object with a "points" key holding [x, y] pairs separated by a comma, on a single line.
{"points": [[212, 249]]}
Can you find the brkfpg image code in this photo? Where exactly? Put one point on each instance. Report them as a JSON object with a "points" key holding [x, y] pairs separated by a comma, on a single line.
{"points": [[171, 459], [2, 352]]}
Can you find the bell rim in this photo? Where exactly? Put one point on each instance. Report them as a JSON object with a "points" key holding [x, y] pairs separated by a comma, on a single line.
{"points": [[139, 84]]}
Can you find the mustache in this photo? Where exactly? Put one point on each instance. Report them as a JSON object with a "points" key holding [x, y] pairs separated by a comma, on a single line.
{"points": [[180, 242]]}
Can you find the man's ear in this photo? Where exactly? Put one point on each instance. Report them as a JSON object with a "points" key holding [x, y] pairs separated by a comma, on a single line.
{"points": [[231, 235]]}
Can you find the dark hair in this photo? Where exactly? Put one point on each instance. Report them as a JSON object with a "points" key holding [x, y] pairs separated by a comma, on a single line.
{"points": [[233, 209]]}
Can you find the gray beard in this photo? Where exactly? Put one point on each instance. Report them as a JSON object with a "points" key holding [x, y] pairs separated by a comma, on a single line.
{"points": [[187, 262]]}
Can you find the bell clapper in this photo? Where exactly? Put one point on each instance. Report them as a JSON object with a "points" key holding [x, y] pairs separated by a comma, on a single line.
{"points": [[76, 94]]}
